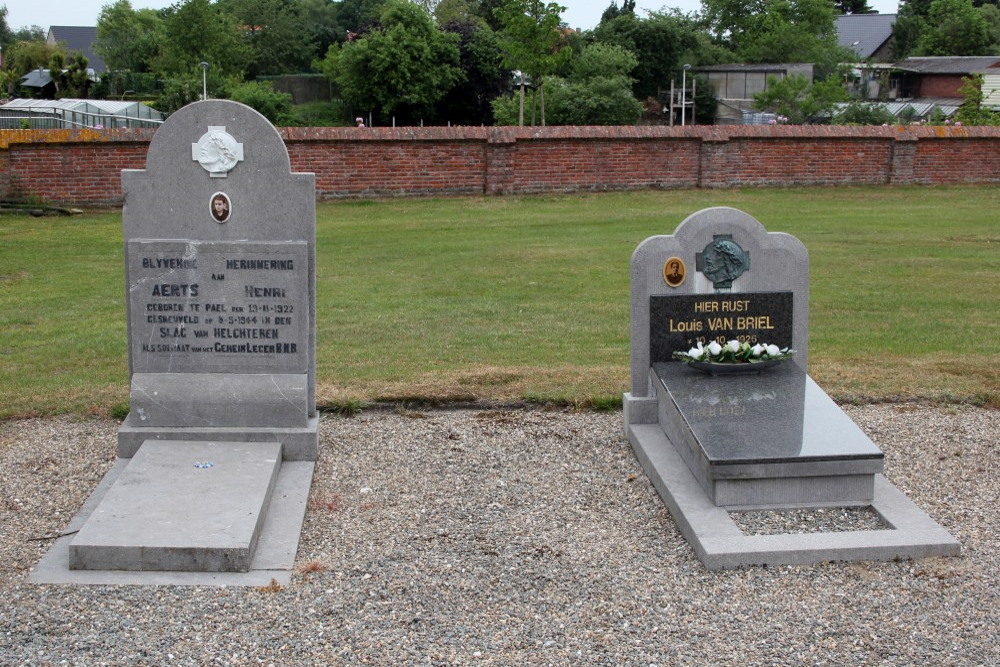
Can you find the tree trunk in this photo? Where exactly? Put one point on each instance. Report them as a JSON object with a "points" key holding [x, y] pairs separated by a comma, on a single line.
{"points": [[520, 113], [541, 89]]}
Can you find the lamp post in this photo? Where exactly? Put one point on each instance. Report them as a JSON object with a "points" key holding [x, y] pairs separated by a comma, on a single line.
{"points": [[684, 72], [204, 80]]}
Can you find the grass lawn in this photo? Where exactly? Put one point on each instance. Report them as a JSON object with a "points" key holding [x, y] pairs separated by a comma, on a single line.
{"points": [[526, 298]]}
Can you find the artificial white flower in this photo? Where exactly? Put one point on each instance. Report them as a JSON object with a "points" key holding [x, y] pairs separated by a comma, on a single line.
{"points": [[714, 348], [733, 346], [773, 350], [757, 350], [696, 352]]}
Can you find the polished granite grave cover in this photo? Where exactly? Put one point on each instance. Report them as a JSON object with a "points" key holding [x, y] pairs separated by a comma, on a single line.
{"points": [[776, 416], [764, 438]]}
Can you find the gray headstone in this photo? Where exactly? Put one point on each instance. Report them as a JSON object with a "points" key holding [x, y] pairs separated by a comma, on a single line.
{"points": [[220, 276], [719, 276]]}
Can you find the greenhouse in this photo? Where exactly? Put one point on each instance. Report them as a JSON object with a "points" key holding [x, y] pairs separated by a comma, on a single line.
{"points": [[74, 114]]}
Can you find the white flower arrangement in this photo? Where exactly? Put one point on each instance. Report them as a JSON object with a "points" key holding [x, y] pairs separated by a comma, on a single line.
{"points": [[734, 352]]}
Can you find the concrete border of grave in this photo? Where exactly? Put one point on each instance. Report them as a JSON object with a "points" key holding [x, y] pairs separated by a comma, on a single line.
{"points": [[765, 440]]}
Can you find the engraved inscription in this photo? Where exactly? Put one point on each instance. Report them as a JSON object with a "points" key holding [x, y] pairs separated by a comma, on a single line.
{"points": [[218, 307], [681, 322]]}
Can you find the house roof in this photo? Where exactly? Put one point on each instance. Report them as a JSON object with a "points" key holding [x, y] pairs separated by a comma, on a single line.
{"points": [[949, 64], [757, 67], [864, 33], [36, 78], [78, 38]]}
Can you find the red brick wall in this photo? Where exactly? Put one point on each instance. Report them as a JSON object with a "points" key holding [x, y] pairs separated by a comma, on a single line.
{"points": [[940, 85], [82, 167]]}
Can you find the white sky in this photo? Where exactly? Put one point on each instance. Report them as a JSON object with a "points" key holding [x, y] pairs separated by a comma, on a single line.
{"points": [[582, 14]]}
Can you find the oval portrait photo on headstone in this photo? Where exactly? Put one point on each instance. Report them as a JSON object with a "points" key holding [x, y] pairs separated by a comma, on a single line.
{"points": [[674, 271], [221, 207]]}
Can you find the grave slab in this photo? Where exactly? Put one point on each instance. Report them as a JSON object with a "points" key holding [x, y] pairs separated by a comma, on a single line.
{"points": [[182, 505], [273, 560], [765, 438]]}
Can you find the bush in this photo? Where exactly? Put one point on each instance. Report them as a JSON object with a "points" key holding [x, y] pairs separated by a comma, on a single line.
{"points": [[319, 114], [276, 107], [863, 113], [597, 101]]}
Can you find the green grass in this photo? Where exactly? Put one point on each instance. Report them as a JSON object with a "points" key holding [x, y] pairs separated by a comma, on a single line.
{"points": [[526, 298]]}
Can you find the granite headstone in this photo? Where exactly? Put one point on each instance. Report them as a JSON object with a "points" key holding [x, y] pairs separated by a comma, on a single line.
{"points": [[220, 291], [720, 438]]}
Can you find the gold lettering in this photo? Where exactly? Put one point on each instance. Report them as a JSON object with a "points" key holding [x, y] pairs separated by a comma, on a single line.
{"points": [[740, 306]]}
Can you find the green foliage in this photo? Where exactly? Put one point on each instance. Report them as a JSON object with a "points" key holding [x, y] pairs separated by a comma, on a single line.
{"points": [[602, 60], [403, 68], [972, 111], [319, 114], [179, 91], [532, 42], [484, 77], [597, 91], [953, 28], [800, 100], [864, 113], [596, 101], [24, 56], [275, 106], [128, 39], [777, 31], [662, 44], [276, 33], [69, 74], [852, 7], [200, 31], [6, 34]]}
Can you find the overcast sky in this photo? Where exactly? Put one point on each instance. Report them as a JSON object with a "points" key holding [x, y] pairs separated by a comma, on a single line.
{"points": [[582, 14]]}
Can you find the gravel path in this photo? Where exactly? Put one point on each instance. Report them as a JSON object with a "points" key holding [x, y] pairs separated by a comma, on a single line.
{"points": [[512, 537]]}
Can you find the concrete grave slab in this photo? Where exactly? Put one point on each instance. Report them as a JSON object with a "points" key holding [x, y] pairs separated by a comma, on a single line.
{"points": [[273, 560], [182, 505]]}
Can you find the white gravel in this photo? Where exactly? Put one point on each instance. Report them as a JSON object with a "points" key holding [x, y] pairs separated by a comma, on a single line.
{"points": [[512, 537]]}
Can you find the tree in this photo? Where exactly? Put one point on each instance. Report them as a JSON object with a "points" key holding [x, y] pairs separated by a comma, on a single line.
{"points": [[800, 100], [198, 31], [6, 34], [793, 31], [853, 7], [274, 30], [484, 78], [613, 11], [603, 60], [532, 43], [661, 43], [127, 39], [404, 67], [276, 107], [69, 74], [776, 31], [598, 91], [954, 28], [973, 110]]}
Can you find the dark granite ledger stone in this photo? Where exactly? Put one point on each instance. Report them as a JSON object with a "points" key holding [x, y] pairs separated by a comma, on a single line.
{"points": [[777, 416], [676, 323]]}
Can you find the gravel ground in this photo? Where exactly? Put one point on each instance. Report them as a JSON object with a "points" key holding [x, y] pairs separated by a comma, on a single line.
{"points": [[512, 537]]}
